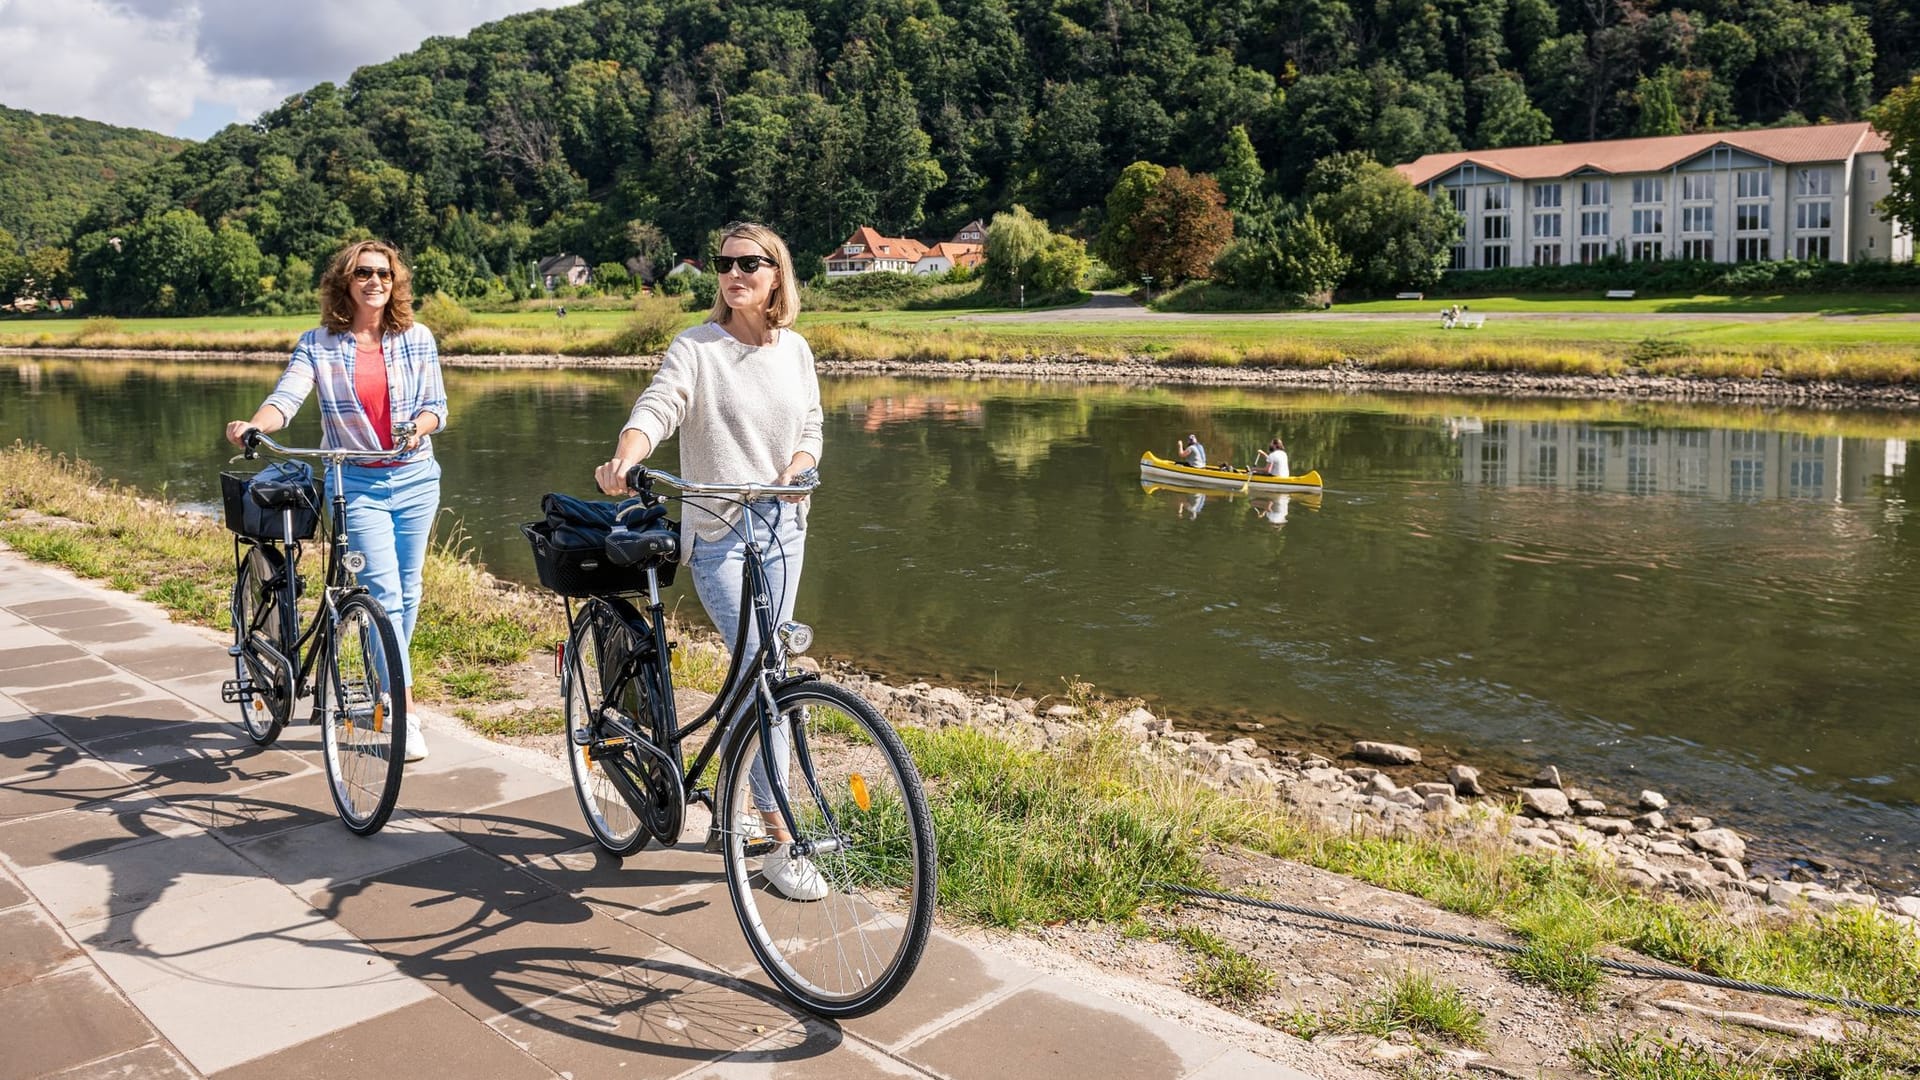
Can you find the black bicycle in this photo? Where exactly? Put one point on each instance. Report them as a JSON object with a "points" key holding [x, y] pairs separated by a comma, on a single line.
{"points": [[347, 656], [820, 817]]}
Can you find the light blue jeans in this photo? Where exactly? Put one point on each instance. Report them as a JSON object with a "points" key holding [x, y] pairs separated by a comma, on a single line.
{"points": [[717, 566], [390, 516]]}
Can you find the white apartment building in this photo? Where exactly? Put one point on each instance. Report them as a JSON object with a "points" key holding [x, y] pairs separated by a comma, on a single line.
{"points": [[1733, 196]]}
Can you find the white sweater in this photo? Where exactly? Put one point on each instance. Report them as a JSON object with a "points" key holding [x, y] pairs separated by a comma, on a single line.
{"points": [[742, 413]]}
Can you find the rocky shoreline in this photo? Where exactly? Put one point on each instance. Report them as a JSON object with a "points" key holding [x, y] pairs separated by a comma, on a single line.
{"points": [[1349, 375], [1383, 787]]}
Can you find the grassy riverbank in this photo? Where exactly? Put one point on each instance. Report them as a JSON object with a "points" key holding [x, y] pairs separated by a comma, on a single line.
{"points": [[1860, 338], [1033, 838]]}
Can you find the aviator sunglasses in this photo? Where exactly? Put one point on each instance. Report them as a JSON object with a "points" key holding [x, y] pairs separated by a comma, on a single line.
{"points": [[362, 273], [723, 264]]}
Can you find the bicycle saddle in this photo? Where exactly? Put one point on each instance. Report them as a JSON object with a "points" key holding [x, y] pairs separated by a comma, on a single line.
{"points": [[657, 542]]}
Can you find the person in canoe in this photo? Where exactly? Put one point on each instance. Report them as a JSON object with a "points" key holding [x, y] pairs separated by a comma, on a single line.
{"points": [[1274, 462], [1191, 452]]}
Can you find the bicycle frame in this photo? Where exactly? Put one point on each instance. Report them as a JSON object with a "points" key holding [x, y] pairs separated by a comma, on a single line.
{"points": [[306, 644], [740, 690]]}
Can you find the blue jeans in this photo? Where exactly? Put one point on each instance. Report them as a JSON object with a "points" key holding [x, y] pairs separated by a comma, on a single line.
{"points": [[390, 516], [717, 566]]}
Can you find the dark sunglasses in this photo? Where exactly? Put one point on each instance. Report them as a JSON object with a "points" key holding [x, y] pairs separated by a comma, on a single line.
{"points": [[362, 273], [749, 264]]}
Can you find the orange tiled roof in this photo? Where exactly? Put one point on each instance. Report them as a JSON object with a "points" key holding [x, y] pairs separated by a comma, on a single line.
{"points": [[1788, 146], [959, 254], [881, 247]]}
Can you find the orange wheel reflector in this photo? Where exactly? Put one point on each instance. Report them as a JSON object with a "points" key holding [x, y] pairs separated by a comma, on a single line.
{"points": [[379, 715], [259, 706], [858, 785]]}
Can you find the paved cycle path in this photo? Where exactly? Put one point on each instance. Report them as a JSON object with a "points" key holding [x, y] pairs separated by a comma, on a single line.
{"points": [[176, 902]]}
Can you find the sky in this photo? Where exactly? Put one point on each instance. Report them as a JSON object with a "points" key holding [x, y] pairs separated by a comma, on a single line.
{"points": [[190, 67]]}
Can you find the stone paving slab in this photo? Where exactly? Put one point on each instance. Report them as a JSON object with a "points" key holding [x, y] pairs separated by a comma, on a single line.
{"points": [[178, 902]]}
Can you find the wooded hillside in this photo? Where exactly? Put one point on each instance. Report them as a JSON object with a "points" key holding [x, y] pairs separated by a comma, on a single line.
{"points": [[618, 128], [53, 168]]}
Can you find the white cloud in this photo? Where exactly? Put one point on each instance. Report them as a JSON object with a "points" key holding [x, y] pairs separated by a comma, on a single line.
{"points": [[167, 65]]}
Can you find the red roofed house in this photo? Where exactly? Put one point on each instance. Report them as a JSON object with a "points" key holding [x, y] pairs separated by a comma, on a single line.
{"points": [[1732, 196], [867, 251]]}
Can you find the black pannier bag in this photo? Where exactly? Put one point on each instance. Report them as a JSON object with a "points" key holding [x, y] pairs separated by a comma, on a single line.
{"points": [[570, 547], [249, 518]]}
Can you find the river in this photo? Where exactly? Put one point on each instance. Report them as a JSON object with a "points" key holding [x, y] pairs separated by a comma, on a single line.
{"points": [[1719, 603]]}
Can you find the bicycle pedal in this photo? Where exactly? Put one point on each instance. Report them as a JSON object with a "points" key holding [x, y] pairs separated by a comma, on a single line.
{"points": [[236, 691], [606, 748], [712, 846]]}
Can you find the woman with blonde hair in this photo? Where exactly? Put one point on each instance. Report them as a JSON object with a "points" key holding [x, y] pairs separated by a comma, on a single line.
{"points": [[374, 368], [741, 391]]}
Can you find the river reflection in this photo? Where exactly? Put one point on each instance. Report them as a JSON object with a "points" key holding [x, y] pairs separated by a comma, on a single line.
{"points": [[1718, 602]]}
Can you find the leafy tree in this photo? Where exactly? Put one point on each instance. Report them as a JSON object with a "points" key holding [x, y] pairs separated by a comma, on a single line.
{"points": [[1303, 258], [13, 268], [1658, 114], [1060, 265], [1396, 236], [1240, 176], [1115, 245], [1014, 239], [1898, 117], [233, 268], [1507, 117], [1182, 227]]}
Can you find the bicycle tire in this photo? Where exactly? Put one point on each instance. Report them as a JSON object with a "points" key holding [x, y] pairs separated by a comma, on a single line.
{"points": [[851, 950], [363, 737], [595, 649], [256, 614]]}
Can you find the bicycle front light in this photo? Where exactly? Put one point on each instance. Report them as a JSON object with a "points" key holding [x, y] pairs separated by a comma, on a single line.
{"points": [[796, 636]]}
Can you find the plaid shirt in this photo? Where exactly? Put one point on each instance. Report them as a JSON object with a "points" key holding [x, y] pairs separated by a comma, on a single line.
{"points": [[325, 359]]}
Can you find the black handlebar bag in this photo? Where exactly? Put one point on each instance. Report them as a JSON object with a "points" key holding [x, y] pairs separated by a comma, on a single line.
{"points": [[570, 547], [247, 517]]}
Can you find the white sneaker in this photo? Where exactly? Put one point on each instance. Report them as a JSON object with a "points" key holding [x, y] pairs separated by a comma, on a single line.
{"points": [[416, 740], [796, 879]]}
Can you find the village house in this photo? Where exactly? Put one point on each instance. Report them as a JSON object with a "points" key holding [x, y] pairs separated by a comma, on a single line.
{"points": [[685, 267], [866, 251], [562, 269], [1735, 196]]}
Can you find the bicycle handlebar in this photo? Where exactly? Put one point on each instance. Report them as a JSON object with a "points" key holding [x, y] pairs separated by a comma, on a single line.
{"points": [[641, 478], [253, 438]]}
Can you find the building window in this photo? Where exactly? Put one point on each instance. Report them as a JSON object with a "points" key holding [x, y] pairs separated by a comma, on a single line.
{"points": [[1493, 461], [1753, 217], [1493, 256], [1593, 193], [1813, 248], [1458, 261], [1648, 222], [1814, 182], [1459, 199], [1815, 214], [1697, 249], [1496, 227], [1752, 249], [1497, 198], [1696, 219], [1546, 196], [1646, 251], [1649, 189], [1593, 223], [1873, 176], [1546, 254], [1593, 253], [1757, 184], [1545, 225], [1696, 187]]}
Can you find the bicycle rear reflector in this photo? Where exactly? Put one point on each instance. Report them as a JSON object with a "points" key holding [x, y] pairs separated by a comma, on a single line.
{"points": [[858, 785]]}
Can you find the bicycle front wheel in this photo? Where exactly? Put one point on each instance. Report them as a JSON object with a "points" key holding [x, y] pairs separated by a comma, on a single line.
{"points": [[256, 620], [364, 736], [840, 917], [597, 650]]}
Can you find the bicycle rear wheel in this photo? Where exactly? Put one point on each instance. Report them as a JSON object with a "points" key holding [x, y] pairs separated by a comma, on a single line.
{"points": [[597, 649], [852, 940], [264, 711], [363, 738]]}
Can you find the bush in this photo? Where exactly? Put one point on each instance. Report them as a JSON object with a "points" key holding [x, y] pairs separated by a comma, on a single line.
{"points": [[701, 290], [673, 284], [444, 315], [651, 327], [1683, 277], [879, 289]]}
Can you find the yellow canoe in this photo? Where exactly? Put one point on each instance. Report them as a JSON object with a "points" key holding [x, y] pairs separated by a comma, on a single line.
{"points": [[1154, 467]]}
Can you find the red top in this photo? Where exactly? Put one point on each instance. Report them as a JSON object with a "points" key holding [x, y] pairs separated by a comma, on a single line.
{"points": [[370, 386]]}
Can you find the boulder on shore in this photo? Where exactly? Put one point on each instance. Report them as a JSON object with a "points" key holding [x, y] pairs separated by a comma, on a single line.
{"points": [[1465, 780], [1545, 802], [1381, 753]]}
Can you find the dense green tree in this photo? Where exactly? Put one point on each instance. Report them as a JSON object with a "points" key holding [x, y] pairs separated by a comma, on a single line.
{"points": [[13, 268], [1302, 257], [234, 268], [1115, 244], [1507, 117], [1658, 113], [1899, 117], [1015, 238], [1396, 236], [1240, 176]]}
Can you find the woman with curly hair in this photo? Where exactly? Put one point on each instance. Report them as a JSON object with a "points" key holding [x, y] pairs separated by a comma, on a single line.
{"points": [[374, 368]]}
